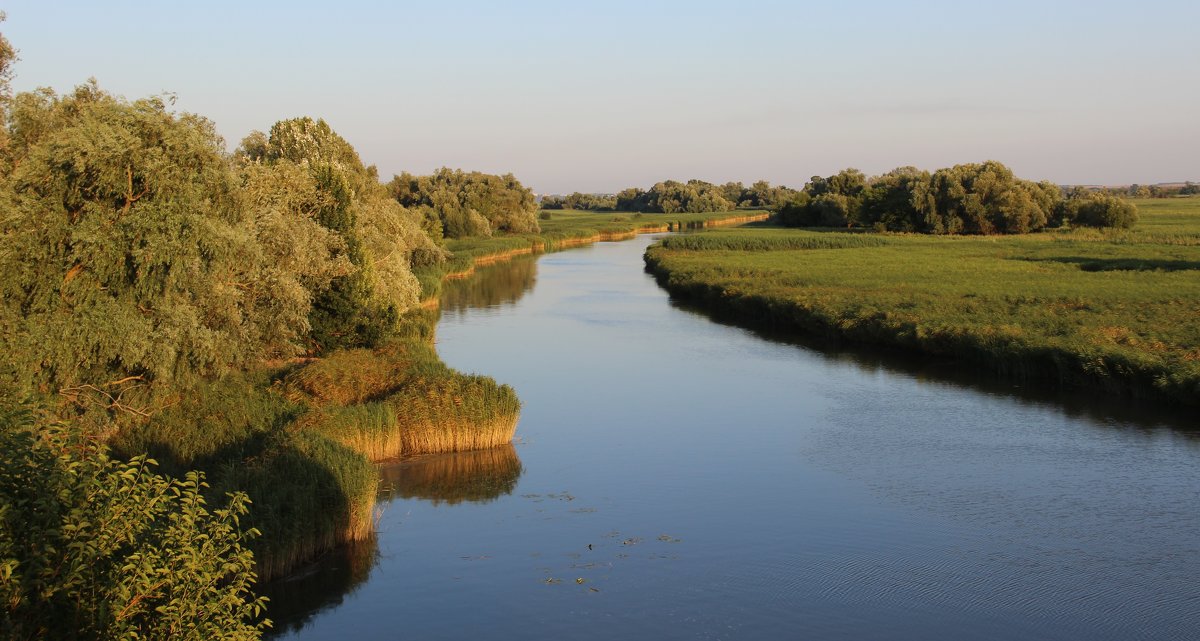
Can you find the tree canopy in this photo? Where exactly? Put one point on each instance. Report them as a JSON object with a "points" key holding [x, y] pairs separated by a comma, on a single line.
{"points": [[469, 203], [126, 257], [973, 198]]}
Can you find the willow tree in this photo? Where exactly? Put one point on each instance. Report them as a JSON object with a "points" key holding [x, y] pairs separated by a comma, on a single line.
{"points": [[127, 263], [470, 203], [985, 198], [375, 242]]}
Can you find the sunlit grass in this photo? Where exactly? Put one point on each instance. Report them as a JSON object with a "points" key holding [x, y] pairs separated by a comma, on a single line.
{"points": [[1113, 310]]}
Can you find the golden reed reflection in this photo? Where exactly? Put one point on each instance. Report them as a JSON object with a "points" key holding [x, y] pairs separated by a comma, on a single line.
{"points": [[478, 476]]}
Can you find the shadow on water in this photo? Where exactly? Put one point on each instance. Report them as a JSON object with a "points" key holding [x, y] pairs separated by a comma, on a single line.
{"points": [[319, 586], [1099, 407], [491, 286], [480, 476]]}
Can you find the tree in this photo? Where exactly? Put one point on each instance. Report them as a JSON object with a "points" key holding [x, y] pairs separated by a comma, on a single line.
{"points": [[827, 202], [985, 198], [127, 261], [379, 241], [1101, 210], [8, 56], [96, 548], [470, 204], [889, 200]]}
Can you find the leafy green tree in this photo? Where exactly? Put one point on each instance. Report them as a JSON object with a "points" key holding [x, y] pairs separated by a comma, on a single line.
{"points": [[96, 548], [828, 202], [888, 202], [633, 199], [363, 278], [470, 204], [984, 198], [127, 261]]}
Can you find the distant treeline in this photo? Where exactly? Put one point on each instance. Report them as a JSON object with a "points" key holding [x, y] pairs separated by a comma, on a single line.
{"points": [[974, 198], [457, 204], [673, 197], [1151, 191]]}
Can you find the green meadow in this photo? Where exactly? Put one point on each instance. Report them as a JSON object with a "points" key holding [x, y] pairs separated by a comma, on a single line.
{"points": [[1116, 310]]}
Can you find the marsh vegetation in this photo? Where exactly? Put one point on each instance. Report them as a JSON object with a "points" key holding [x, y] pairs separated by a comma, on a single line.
{"points": [[1111, 309]]}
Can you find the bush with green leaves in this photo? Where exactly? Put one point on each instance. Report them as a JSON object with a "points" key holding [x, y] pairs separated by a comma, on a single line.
{"points": [[1100, 210], [92, 547], [469, 203]]}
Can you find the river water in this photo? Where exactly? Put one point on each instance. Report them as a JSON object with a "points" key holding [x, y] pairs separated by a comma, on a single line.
{"points": [[676, 478]]}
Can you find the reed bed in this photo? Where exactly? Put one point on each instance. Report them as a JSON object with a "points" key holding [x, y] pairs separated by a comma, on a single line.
{"points": [[478, 476], [309, 492], [310, 495], [408, 402], [347, 377], [1112, 312]]}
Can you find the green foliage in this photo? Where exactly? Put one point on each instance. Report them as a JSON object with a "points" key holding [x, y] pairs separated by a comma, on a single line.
{"points": [[581, 201], [309, 493], [8, 55], [470, 204], [378, 242], [96, 548], [125, 254], [984, 198], [698, 196], [1100, 210], [826, 202]]}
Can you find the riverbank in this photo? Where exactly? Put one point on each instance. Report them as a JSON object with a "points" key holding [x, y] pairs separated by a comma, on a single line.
{"points": [[303, 437], [1110, 311]]}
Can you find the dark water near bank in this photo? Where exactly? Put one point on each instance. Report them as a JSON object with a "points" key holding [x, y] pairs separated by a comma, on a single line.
{"points": [[676, 478]]}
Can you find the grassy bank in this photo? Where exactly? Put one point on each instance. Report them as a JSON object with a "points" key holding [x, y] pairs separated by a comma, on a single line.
{"points": [[1115, 310]]}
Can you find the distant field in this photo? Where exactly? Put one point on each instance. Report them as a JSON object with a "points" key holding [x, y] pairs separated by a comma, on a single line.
{"points": [[1118, 310]]}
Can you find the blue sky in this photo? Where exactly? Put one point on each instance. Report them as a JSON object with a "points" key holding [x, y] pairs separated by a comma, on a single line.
{"points": [[599, 96]]}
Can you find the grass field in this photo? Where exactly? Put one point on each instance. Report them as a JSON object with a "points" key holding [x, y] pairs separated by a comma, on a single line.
{"points": [[1119, 310]]}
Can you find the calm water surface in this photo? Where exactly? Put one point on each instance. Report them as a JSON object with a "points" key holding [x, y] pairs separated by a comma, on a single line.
{"points": [[675, 478]]}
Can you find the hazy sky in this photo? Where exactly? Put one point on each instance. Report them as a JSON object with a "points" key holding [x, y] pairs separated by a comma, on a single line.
{"points": [[596, 96]]}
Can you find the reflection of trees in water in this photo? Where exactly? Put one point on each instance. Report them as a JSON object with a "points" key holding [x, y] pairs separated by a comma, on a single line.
{"points": [[1099, 409], [499, 284], [319, 586], [477, 477]]}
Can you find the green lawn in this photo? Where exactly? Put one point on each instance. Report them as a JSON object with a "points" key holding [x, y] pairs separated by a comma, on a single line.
{"points": [[1116, 309]]}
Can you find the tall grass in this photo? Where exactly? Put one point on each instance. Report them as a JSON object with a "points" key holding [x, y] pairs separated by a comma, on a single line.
{"points": [[402, 401], [309, 492]]}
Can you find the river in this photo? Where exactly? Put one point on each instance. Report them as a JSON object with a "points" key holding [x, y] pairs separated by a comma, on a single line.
{"points": [[677, 478]]}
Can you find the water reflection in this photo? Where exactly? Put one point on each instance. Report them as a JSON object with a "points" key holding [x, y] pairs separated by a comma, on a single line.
{"points": [[322, 585], [1097, 406], [493, 286], [481, 476]]}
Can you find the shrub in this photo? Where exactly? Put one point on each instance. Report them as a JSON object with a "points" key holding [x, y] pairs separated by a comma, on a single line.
{"points": [[96, 548], [1102, 210]]}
